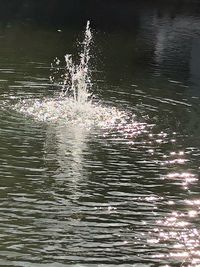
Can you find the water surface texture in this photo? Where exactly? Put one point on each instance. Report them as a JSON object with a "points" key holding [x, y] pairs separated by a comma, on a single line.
{"points": [[116, 183]]}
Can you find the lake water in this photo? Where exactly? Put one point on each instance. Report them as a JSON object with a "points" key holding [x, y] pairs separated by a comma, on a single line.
{"points": [[122, 193]]}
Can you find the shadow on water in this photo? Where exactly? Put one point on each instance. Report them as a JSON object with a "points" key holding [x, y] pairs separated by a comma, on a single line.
{"points": [[104, 14]]}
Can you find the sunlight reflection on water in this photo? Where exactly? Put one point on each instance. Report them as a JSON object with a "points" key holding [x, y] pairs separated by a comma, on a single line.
{"points": [[96, 183], [178, 231]]}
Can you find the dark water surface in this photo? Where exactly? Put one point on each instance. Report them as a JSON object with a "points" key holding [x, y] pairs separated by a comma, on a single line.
{"points": [[127, 197]]}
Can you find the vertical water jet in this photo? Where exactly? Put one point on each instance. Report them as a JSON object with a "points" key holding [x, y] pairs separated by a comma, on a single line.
{"points": [[76, 78]]}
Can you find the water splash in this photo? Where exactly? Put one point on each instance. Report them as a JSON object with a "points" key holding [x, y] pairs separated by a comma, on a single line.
{"points": [[77, 76], [74, 102]]}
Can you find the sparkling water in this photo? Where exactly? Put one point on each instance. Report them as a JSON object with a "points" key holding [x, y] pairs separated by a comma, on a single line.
{"points": [[73, 103]]}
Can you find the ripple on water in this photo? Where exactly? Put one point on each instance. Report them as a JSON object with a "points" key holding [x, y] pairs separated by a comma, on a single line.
{"points": [[64, 110]]}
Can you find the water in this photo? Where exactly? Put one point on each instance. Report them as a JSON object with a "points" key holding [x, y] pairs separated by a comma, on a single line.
{"points": [[73, 102], [109, 179]]}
